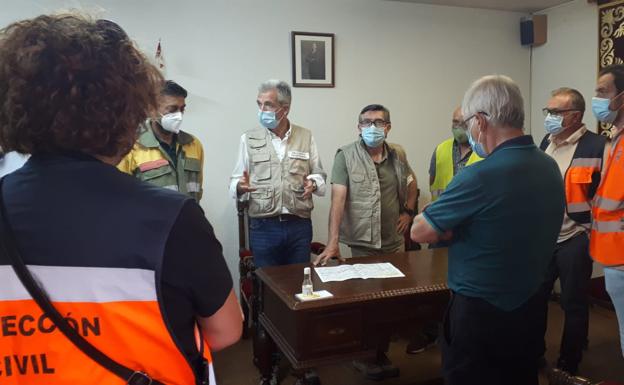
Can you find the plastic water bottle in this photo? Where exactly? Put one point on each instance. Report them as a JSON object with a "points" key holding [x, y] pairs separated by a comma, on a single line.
{"points": [[306, 287]]}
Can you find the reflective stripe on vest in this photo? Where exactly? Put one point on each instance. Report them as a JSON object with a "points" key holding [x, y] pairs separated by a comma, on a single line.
{"points": [[608, 227], [96, 301], [582, 176], [607, 235], [102, 275], [444, 167], [149, 162], [193, 187], [608, 204]]}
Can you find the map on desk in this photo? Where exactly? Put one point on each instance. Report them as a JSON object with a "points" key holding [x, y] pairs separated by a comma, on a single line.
{"points": [[358, 271]]}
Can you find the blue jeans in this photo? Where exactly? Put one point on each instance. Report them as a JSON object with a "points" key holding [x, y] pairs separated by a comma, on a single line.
{"points": [[614, 280], [274, 242]]}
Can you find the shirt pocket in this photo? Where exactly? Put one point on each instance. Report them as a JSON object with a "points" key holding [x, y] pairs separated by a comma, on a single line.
{"points": [[360, 185], [299, 167], [261, 166], [300, 202], [580, 175], [192, 169], [256, 143], [262, 200], [362, 221], [154, 174]]}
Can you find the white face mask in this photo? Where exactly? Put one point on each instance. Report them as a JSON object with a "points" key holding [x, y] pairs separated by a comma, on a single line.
{"points": [[171, 122]]}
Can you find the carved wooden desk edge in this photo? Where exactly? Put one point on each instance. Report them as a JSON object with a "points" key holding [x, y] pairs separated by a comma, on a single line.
{"points": [[283, 345]]}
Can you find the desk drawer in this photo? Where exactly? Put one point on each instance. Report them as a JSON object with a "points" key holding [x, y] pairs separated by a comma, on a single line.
{"points": [[336, 331]]}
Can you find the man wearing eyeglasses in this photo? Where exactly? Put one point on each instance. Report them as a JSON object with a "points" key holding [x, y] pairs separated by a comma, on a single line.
{"points": [[502, 217], [374, 194], [579, 154]]}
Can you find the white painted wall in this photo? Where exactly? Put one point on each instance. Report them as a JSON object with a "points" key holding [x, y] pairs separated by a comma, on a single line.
{"points": [[416, 59], [568, 59]]}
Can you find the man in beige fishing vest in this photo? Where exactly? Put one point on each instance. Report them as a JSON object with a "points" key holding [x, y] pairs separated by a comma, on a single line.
{"points": [[374, 194], [278, 170]]}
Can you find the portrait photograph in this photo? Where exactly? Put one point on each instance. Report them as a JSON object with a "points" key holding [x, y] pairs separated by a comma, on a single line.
{"points": [[313, 59]]}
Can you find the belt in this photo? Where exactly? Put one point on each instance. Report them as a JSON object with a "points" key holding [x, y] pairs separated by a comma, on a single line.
{"points": [[284, 218]]}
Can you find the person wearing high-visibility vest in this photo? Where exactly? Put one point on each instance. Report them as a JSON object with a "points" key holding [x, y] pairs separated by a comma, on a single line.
{"points": [[579, 154], [164, 155], [606, 244], [450, 157], [134, 269]]}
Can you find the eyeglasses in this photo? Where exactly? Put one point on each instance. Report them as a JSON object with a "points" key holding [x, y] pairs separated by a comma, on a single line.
{"points": [[379, 123], [554, 111], [465, 122]]}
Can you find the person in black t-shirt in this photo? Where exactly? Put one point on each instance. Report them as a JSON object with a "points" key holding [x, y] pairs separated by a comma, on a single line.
{"points": [[139, 262]]}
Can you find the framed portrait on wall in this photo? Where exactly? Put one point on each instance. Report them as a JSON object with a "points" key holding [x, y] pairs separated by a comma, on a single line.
{"points": [[313, 59]]}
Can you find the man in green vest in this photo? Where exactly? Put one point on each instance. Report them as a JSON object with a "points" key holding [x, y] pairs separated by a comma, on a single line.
{"points": [[374, 194], [164, 155], [450, 157]]}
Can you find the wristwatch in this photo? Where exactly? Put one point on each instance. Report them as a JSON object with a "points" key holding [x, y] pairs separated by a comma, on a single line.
{"points": [[410, 212]]}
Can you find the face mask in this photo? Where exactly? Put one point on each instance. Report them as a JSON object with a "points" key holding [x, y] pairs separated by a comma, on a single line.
{"points": [[171, 122], [267, 119], [460, 135], [553, 124], [476, 146], [373, 137], [600, 108]]}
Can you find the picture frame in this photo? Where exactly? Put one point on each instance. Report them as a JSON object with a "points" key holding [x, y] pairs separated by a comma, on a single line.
{"points": [[313, 59]]}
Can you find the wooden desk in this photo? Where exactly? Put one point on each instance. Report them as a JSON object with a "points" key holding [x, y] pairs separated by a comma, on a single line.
{"points": [[348, 325]]}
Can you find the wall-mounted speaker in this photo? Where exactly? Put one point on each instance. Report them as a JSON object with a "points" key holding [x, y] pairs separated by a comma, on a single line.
{"points": [[533, 30]]}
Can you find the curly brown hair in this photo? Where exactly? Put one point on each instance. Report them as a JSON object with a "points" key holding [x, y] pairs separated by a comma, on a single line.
{"points": [[70, 83]]}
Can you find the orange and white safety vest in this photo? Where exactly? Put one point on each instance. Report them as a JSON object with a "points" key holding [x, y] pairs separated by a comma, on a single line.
{"points": [[582, 176], [97, 257], [607, 231]]}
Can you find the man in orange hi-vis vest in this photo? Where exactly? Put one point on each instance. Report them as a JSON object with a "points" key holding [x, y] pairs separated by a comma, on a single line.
{"points": [[607, 233], [122, 267]]}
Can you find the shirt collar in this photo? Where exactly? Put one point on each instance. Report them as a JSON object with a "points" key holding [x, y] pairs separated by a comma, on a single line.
{"points": [[572, 139], [384, 154], [457, 149], [523, 140], [286, 136]]}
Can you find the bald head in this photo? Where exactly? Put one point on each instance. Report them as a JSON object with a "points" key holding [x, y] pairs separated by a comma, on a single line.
{"points": [[458, 119], [458, 128]]}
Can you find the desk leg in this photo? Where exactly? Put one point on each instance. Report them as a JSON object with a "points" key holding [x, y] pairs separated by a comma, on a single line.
{"points": [[264, 350]]}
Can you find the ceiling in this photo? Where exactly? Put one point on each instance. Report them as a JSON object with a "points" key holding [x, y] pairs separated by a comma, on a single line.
{"points": [[528, 6]]}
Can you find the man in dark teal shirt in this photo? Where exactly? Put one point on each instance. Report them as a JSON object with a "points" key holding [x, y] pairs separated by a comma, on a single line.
{"points": [[502, 216]]}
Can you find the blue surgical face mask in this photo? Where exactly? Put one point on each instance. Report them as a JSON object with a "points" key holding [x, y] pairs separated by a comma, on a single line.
{"points": [[476, 146], [553, 124], [373, 137], [600, 108], [267, 119]]}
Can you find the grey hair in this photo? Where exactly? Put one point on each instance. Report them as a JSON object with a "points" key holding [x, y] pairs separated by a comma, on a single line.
{"points": [[284, 96], [499, 97]]}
